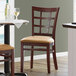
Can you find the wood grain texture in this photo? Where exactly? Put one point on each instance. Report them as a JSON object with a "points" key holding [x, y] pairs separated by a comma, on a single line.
{"points": [[39, 68]]}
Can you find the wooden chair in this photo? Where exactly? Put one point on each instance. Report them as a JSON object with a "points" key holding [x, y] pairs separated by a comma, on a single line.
{"points": [[7, 51], [43, 34]]}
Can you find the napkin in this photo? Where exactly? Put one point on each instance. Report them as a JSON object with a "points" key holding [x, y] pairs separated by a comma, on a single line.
{"points": [[18, 23]]}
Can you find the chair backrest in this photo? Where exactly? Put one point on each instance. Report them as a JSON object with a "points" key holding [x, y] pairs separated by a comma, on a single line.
{"points": [[44, 21]]}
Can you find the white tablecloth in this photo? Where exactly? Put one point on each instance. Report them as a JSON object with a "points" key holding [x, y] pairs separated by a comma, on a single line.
{"points": [[17, 23]]}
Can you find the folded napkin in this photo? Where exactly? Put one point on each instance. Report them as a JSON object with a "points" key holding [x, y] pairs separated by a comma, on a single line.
{"points": [[18, 23]]}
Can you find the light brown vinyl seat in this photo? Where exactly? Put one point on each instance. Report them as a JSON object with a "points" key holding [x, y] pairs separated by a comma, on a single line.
{"points": [[38, 39], [4, 47]]}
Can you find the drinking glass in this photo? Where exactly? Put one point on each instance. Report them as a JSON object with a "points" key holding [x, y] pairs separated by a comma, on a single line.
{"points": [[16, 12]]}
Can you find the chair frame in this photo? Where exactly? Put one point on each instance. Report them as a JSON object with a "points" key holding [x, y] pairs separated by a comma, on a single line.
{"points": [[47, 45], [10, 55]]}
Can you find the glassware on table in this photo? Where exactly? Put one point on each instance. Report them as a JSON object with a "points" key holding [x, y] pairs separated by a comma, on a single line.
{"points": [[16, 12]]}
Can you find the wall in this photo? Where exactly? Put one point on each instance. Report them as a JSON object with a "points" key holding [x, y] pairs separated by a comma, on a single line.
{"points": [[65, 15]]}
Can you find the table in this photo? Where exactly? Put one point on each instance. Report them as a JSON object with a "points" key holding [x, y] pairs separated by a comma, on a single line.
{"points": [[71, 48], [69, 25], [7, 41]]}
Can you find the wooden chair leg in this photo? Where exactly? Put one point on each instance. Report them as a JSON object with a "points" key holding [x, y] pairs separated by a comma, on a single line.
{"points": [[54, 58], [32, 58], [22, 57], [12, 63], [48, 58]]}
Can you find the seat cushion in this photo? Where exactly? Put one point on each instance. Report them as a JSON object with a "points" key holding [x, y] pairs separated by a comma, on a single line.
{"points": [[4, 47], [38, 39]]}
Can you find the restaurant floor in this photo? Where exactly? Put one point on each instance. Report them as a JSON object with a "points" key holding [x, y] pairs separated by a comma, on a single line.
{"points": [[40, 68]]}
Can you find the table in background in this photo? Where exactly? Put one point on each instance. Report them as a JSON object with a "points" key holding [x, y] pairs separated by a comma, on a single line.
{"points": [[7, 25], [71, 48]]}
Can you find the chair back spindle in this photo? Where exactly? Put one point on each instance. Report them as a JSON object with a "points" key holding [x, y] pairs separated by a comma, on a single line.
{"points": [[44, 21]]}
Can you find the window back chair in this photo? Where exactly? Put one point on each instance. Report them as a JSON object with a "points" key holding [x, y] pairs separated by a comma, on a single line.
{"points": [[43, 34]]}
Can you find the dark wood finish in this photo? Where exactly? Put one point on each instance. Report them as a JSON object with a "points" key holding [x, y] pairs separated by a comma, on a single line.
{"points": [[22, 58], [40, 26], [32, 53], [48, 57], [12, 64]]}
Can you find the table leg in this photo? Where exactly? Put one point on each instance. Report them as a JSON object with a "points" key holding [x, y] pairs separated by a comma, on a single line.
{"points": [[6, 64], [6, 41]]}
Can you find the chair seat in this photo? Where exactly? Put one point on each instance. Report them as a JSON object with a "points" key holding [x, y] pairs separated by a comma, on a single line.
{"points": [[4, 47], [38, 39]]}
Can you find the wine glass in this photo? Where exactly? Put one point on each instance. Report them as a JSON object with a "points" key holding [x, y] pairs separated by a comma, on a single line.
{"points": [[16, 12]]}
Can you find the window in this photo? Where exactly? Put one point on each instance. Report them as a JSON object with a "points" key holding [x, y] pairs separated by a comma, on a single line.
{"points": [[2, 9], [2, 16]]}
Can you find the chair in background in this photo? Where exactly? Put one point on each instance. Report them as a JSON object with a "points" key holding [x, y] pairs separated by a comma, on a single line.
{"points": [[7, 51], [43, 34]]}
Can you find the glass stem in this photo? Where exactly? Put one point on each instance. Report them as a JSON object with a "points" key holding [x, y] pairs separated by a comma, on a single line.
{"points": [[16, 17]]}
